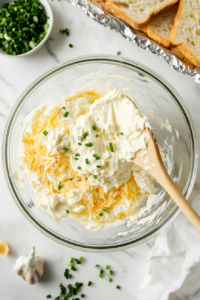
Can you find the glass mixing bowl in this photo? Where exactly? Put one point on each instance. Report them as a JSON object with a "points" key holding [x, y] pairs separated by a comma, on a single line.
{"points": [[156, 98]]}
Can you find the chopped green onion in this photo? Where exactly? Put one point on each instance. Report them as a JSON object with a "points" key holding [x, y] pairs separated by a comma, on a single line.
{"points": [[80, 138], [62, 290], [106, 209], [101, 273], [67, 211], [46, 26], [89, 283], [79, 144], [73, 269], [76, 158], [82, 295], [96, 156], [97, 266], [66, 149], [111, 272], [121, 133], [72, 260], [81, 258], [71, 264], [142, 75], [71, 46], [48, 296], [85, 134], [101, 214], [95, 176], [60, 186], [94, 127], [118, 287], [70, 179], [110, 279], [66, 114], [87, 161], [107, 267], [45, 133], [63, 107], [79, 168], [111, 147], [119, 52], [97, 135], [77, 154], [99, 167], [66, 31], [89, 145]]}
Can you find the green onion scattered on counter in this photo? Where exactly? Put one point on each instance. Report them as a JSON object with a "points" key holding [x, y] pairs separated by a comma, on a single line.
{"points": [[45, 132], [67, 211], [85, 134], [89, 145], [66, 149], [106, 209], [101, 273], [22, 26], [95, 176], [66, 31], [89, 283], [82, 295], [110, 279], [87, 161], [48, 296], [96, 156], [118, 287], [111, 272], [97, 135], [111, 147], [97, 266], [66, 114], [121, 133], [77, 154], [119, 52], [79, 168], [94, 127], [81, 258], [98, 167], [73, 269], [79, 144], [71, 46], [101, 214], [80, 138], [62, 290], [70, 179], [107, 267]]}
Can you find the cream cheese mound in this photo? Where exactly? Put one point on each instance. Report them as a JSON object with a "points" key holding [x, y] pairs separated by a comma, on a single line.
{"points": [[88, 134]]}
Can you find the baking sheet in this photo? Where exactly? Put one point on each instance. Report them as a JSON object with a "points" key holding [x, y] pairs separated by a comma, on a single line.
{"points": [[173, 57]]}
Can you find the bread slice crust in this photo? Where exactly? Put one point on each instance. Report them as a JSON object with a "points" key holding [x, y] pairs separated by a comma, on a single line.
{"points": [[129, 20], [182, 46]]}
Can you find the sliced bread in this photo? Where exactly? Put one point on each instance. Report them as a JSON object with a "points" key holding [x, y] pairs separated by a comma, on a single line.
{"points": [[185, 33], [160, 26], [137, 13]]}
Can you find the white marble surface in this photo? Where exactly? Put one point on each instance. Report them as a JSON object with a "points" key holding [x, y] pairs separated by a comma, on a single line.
{"points": [[88, 37]]}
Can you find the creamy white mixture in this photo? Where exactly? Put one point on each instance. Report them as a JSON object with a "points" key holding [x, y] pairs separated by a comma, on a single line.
{"points": [[112, 122]]}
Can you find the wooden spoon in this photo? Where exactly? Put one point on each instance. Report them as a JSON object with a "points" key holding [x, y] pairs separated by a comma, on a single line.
{"points": [[155, 167]]}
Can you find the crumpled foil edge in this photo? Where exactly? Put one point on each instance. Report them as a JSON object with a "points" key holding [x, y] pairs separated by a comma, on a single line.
{"points": [[109, 21]]}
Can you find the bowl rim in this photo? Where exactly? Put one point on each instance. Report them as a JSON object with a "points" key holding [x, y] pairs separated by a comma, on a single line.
{"points": [[49, 30], [125, 63]]}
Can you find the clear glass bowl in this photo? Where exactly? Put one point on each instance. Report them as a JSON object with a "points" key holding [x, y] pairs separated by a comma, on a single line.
{"points": [[156, 98]]}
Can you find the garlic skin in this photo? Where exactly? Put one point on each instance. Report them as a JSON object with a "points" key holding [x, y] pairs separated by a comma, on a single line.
{"points": [[3, 248], [30, 267]]}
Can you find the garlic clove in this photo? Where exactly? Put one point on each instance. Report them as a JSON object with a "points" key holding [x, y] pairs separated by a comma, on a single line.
{"points": [[30, 267], [3, 248]]}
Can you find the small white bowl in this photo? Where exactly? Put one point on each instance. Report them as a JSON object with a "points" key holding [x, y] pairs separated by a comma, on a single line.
{"points": [[49, 14]]}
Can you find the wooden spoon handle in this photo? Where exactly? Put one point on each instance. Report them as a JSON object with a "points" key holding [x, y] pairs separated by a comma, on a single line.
{"points": [[176, 195]]}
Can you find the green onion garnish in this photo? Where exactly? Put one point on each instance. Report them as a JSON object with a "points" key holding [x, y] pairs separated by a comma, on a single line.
{"points": [[121, 133], [73, 269], [99, 167], [80, 138], [101, 273], [110, 279], [70, 179], [94, 127], [66, 114], [106, 209], [118, 287], [82, 295], [77, 154], [62, 290], [66, 149], [89, 145], [101, 214], [45, 133], [87, 161], [97, 135], [111, 272], [95, 176], [79, 144], [79, 168], [89, 283], [119, 52], [59, 186], [71, 46], [75, 158], [63, 107], [96, 156], [67, 211], [107, 267], [85, 134], [97, 266], [66, 31], [111, 147], [48, 296], [81, 258]]}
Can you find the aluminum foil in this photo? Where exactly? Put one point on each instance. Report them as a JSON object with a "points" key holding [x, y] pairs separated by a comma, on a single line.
{"points": [[173, 57]]}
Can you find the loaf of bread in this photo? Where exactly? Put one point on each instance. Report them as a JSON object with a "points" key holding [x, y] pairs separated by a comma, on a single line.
{"points": [[159, 27], [185, 33], [137, 13]]}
